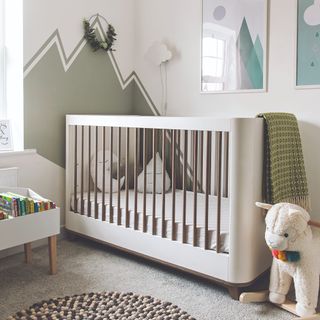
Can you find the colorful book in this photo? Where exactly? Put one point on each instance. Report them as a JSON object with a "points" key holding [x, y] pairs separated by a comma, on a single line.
{"points": [[18, 205], [21, 201], [9, 204]]}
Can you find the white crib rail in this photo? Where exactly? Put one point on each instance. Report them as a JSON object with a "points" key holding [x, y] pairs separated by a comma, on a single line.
{"points": [[198, 136], [223, 157], [249, 255], [151, 122]]}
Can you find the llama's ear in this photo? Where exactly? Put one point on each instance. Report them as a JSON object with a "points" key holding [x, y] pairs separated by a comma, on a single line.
{"points": [[300, 213], [266, 206], [293, 212]]}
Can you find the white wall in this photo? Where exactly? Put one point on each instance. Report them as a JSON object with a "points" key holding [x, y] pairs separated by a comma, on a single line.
{"points": [[42, 18], [178, 23]]}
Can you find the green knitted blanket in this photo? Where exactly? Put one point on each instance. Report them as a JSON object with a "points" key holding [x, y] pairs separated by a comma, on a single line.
{"points": [[284, 172]]}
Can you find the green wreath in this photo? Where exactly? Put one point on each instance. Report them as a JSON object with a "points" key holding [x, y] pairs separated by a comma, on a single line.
{"points": [[91, 36]]}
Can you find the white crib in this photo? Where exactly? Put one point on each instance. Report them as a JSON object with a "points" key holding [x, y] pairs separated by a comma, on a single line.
{"points": [[206, 224]]}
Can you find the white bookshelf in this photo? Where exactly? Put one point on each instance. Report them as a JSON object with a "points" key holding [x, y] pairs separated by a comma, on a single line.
{"points": [[32, 227]]}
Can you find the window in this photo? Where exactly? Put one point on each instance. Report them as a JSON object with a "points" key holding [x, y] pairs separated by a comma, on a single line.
{"points": [[2, 61], [213, 63], [11, 67]]}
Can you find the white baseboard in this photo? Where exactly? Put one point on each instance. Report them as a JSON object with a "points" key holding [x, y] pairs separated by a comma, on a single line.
{"points": [[36, 244]]}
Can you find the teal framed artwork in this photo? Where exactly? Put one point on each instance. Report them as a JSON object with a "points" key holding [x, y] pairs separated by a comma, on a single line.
{"points": [[234, 46], [308, 44]]}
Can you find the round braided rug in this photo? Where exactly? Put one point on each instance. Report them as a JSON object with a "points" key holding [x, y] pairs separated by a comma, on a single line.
{"points": [[103, 306]]}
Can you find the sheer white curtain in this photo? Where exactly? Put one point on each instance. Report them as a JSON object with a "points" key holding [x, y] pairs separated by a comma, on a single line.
{"points": [[2, 62], [11, 67]]}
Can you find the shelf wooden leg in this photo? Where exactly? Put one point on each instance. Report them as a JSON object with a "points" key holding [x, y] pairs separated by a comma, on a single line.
{"points": [[52, 241], [28, 253]]}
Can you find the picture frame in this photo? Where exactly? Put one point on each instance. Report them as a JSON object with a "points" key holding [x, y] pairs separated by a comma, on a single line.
{"points": [[6, 141], [307, 44], [234, 46]]}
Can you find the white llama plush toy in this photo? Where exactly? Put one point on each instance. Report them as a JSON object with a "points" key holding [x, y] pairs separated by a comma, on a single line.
{"points": [[295, 247]]}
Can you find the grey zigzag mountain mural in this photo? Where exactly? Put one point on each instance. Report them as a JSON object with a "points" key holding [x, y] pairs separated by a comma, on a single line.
{"points": [[90, 86], [251, 54]]}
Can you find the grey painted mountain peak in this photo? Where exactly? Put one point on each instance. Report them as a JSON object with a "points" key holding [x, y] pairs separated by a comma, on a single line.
{"points": [[90, 86]]}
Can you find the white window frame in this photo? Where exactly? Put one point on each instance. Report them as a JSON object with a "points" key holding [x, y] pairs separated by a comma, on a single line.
{"points": [[2, 61], [230, 76], [215, 80]]}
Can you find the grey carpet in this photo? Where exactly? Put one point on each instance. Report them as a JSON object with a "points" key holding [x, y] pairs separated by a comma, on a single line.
{"points": [[86, 267]]}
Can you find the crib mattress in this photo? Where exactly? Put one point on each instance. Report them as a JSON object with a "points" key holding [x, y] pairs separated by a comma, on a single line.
{"points": [[224, 226]]}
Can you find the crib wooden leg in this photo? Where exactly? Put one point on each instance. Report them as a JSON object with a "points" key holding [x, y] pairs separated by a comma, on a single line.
{"points": [[234, 292]]}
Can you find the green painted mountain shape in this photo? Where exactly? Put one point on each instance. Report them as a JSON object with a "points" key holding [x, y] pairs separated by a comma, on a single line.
{"points": [[251, 55]]}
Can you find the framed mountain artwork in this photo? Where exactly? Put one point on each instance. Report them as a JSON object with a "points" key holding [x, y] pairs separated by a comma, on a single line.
{"points": [[308, 44], [234, 45]]}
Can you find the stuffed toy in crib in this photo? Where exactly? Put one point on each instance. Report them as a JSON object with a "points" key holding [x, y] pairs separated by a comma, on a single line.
{"points": [[295, 247]]}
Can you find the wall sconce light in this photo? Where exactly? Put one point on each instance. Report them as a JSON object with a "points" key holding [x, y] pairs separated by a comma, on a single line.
{"points": [[159, 55]]}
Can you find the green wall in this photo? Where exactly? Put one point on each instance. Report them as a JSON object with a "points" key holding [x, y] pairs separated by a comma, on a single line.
{"points": [[139, 104], [90, 86]]}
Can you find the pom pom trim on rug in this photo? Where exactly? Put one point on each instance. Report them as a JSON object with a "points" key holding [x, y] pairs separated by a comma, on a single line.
{"points": [[103, 306]]}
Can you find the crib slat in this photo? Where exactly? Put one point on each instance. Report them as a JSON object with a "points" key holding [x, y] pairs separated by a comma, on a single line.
{"points": [[185, 175], [96, 213], [110, 177], [201, 160], [173, 168], [163, 216], [195, 185], [216, 163], [89, 172], [226, 165], [136, 150], [219, 158], [118, 178], [154, 142], [144, 180], [82, 171], [207, 191], [127, 177], [178, 178], [104, 174], [75, 182]]}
